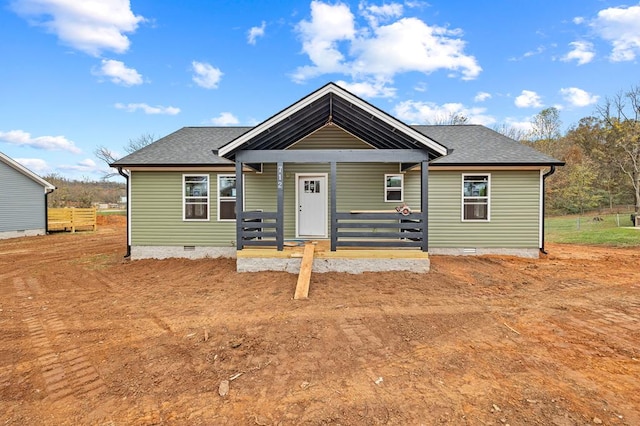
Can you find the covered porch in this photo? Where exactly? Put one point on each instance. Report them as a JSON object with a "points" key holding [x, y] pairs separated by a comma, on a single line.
{"points": [[375, 231]]}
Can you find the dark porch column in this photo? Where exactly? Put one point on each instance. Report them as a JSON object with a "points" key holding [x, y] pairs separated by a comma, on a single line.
{"points": [[334, 208], [280, 211], [239, 205], [424, 203]]}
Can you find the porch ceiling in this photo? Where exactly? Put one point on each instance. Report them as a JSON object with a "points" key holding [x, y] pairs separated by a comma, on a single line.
{"points": [[331, 109]]}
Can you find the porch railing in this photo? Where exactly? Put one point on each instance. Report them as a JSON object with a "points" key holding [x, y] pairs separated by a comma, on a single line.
{"points": [[377, 230], [261, 229]]}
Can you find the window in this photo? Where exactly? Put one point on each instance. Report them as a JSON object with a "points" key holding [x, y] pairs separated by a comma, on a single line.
{"points": [[226, 197], [475, 197], [393, 188], [196, 197]]}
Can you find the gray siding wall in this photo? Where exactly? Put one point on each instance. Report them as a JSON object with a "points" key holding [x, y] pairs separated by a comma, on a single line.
{"points": [[21, 201]]}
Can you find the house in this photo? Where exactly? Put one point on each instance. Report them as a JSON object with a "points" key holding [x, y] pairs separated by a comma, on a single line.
{"points": [[376, 193], [23, 200]]}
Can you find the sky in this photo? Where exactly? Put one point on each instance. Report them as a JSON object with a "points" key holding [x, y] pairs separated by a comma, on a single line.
{"points": [[77, 75]]}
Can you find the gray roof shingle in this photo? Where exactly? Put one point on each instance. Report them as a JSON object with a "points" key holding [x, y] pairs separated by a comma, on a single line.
{"points": [[467, 144], [191, 146], [474, 144]]}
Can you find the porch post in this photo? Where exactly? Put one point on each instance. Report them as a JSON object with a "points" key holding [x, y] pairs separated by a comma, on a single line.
{"points": [[424, 203], [239, 206], [280, 211], [334, 208]]}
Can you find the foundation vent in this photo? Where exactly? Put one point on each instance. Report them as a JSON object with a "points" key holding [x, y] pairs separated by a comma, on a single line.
{"points": [[189, 248], [469, 251]]}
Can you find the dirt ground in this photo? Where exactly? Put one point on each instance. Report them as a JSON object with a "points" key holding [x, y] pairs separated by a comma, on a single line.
{"points": [[87, 337]]}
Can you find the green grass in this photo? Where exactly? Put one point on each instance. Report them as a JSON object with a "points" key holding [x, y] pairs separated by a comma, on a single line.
{"points": [[584, 230], [111, 212]]}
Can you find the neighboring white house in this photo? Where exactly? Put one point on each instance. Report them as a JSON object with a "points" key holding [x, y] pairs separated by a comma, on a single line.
{"points": [[23, 200]]}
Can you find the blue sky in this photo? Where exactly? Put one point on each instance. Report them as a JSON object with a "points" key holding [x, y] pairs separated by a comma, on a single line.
{"points": [[76, 75]]}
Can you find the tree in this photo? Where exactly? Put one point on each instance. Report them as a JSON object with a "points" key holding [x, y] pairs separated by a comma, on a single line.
{"points": [[452, 119], [579, 194], [621, 115], [108, 156], [510, 132], [546, 125]]}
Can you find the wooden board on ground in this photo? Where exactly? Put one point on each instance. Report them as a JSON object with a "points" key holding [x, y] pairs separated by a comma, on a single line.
{"points": [[302, 288]]}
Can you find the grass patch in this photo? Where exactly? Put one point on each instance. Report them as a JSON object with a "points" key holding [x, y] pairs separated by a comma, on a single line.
{"points": [[111, 212], [612, 230]]}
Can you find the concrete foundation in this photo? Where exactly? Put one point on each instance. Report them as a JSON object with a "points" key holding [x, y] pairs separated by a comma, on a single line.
{"points": [[352, 266], [473, 251], [22, 233], [189, 252]]}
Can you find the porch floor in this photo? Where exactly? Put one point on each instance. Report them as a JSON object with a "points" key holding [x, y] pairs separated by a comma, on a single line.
{"points": [[323, 251]]}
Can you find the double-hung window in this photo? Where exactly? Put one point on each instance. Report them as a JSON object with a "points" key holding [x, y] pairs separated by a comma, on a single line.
{"points": [[226, 197], [393, 188], [196, 197], [475, 197]]}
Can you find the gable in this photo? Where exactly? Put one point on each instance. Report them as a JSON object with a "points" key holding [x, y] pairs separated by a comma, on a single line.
{"points": [[15, 167], [332, 105], [330, 137]]}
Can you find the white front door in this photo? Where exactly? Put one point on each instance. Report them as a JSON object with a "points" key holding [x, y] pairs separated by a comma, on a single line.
{"points": [[312, 206]]}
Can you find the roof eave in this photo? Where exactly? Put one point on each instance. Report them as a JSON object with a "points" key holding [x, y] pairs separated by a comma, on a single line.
{"points": [[232, 146]]}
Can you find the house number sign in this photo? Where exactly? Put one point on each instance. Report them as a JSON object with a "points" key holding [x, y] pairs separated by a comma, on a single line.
{"points": [[280, 176]]}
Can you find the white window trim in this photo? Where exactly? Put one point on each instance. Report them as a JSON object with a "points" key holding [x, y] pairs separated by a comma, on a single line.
{"points": [[184, 197], [244, 180], [488, 197], [401, 200]]}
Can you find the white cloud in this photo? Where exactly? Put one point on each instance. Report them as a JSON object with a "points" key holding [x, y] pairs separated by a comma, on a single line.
{"points": [[578, 97], [482, 96], [375, 14], [118, 73], [206, 75], [528, 99], [582, 52], [525, 126], [320, 36], [91, 26], [621, 27], [256, 32], [225, 119], [37, 165], [148, 109], [85, 166], [48, 143], [578, 20], [378, 52], [377, 89], [416, 112]]}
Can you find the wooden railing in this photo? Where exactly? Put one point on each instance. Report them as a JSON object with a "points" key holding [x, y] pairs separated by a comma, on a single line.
{"points": [[70, 219], [377, 230]]}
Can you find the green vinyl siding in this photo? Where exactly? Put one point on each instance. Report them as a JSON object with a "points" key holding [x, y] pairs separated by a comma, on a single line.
{"points": [[359, 187], [330, 137], [515, 211], [156, 213]]}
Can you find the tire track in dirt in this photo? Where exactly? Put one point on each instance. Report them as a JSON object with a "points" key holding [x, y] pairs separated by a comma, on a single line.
{"points": [[64, 368]]}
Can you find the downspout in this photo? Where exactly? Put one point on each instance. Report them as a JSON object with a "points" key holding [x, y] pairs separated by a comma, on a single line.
{"points": [[46, 209], [544, 177], [126, 178]]}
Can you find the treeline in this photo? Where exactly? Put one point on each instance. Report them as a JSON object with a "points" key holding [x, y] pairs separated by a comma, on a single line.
{"points": [[83, 193], [602, 155]]}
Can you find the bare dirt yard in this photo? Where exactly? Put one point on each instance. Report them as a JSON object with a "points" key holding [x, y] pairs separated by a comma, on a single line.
{"points": [[87, 337]]}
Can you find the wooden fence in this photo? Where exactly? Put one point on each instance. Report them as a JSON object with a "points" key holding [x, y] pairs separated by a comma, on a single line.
{"points": [[70, 219]]}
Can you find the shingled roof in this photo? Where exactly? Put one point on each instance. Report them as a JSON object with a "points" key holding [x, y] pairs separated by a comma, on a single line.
{"points": [[189, 146], [474, 144], [469, 145]]}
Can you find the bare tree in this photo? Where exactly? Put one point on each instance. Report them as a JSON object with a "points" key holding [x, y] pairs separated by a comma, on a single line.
{"points": [[511, 132], [109, 156], [621, 115], [452, 119]]}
